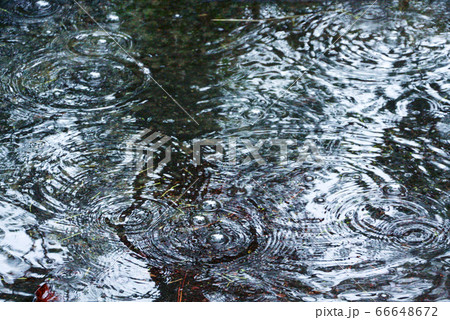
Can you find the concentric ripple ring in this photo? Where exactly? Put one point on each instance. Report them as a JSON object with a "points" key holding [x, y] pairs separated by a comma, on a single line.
{"points": [[407, 223], [177, 237], [32, 11], [95, 43], [424, 235], [79, 82]]}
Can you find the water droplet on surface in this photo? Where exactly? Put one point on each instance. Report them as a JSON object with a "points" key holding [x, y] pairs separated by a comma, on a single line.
{"points": [[309, 178]]}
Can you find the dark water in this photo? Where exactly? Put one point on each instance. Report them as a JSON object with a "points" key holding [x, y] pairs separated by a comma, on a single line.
{"points": [[363, 217]]}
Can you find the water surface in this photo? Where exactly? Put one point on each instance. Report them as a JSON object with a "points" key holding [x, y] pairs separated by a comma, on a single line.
{"points": [[363, 86]]}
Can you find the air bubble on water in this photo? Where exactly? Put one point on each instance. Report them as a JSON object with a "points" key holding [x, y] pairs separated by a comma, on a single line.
{"points": [[94, 75], [112, 17], [199, 220], [383, 296], [319, 200], [217, 238], [254, 114], [42, 4], [394, 189], [210, 205], [309, 178]]}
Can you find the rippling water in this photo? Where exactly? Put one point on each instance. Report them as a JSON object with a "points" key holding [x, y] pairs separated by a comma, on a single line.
{"points": [[361, 87]]}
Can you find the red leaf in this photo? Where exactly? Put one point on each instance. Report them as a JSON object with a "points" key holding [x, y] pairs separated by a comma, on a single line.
{"points": [[45, 294]]}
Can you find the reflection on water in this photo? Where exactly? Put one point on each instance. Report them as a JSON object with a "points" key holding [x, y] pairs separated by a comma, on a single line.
{"points": [[364, 219]]}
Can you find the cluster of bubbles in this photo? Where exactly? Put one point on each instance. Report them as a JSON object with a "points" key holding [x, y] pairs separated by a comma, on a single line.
{"points": [[180, 236]]}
